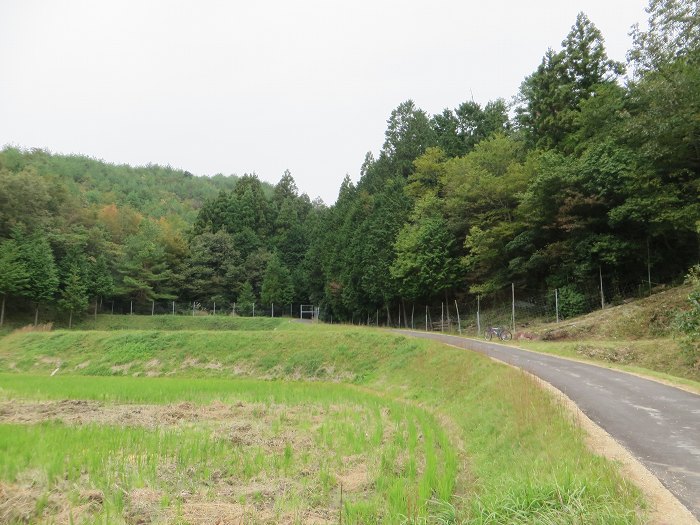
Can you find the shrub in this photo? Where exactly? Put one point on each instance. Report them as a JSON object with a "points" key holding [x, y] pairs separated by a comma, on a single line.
{"points": [[687, 323], [571, 302]]}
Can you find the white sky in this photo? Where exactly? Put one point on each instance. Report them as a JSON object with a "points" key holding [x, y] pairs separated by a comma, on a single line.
{"points": [[263, 86]]}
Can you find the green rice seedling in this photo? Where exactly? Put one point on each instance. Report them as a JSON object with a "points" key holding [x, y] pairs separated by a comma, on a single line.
{"points": [[360, 512]]}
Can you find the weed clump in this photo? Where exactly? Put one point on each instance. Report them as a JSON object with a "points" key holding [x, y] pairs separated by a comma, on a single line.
{"points": [[45, 327]]}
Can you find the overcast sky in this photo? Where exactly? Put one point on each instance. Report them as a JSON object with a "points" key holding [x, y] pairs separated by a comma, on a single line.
{"points": [[263, 86]]}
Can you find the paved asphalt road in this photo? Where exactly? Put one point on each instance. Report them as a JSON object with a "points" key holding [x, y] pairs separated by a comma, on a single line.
{"points": [[658, 424]]}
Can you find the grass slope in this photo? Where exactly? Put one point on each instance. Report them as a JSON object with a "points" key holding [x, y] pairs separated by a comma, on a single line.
{"points": [[472, 441], [647, 318], [181, 322], [636, 336]]}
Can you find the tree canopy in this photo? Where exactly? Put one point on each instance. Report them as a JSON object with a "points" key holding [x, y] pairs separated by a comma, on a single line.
{"points": [[583, 175]]}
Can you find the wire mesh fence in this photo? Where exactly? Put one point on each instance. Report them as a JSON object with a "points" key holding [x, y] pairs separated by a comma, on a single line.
{"points": [[200, 308], [512, 307]]}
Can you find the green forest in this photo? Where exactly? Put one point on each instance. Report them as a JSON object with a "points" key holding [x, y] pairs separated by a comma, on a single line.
{"points": [[590, 172]]}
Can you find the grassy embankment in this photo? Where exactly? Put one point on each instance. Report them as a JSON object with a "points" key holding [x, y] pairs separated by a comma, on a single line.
{"points": [[637, 336], [414, 431]]}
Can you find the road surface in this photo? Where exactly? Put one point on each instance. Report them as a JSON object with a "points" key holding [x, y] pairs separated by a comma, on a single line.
{"points": [[657, 424]]}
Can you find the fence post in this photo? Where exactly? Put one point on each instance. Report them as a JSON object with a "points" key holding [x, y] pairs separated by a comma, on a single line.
{"points": [[233, 312], [556, 302], [153, 307], [478, 316], [442, 317], [426, 317], [648, 265], [214, 307], [413, 309], [512, 314], [377, 321], [131, 308], [192, 308], [459, 322], [253, 309], [173, 307], [112, 307], [602, 296], [273, 309]]}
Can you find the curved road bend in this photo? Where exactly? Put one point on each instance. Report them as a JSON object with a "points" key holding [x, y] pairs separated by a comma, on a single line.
{"points": [[658, 424]]}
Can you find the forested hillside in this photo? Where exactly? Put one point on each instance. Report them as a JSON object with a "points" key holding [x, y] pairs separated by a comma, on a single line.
{"points": [[591, 173]]}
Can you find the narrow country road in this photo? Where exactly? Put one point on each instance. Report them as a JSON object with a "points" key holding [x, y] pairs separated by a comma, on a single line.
{"points": [[658, 424]]}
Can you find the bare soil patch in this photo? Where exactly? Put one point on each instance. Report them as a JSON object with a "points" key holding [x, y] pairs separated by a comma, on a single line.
{"points": [[78, 412]]}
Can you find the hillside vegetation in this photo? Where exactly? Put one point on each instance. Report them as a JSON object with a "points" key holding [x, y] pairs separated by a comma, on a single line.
{"points": [[641, 335], [79, 181], [590, 177], [646, 318]]}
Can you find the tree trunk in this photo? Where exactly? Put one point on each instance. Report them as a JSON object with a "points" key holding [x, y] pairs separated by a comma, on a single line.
{"points": [[36, 315], [70, 320], [95, 309], [2, 311]]}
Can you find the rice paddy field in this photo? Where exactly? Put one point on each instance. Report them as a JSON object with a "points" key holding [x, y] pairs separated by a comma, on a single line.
{"points": [[225, 421]]}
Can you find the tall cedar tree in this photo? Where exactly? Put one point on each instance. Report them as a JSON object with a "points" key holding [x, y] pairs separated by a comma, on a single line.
{"points": [[13, 274], [42, 274]]}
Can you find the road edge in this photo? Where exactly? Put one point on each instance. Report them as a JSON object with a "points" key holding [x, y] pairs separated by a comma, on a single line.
{"points": [[664, 507]]}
